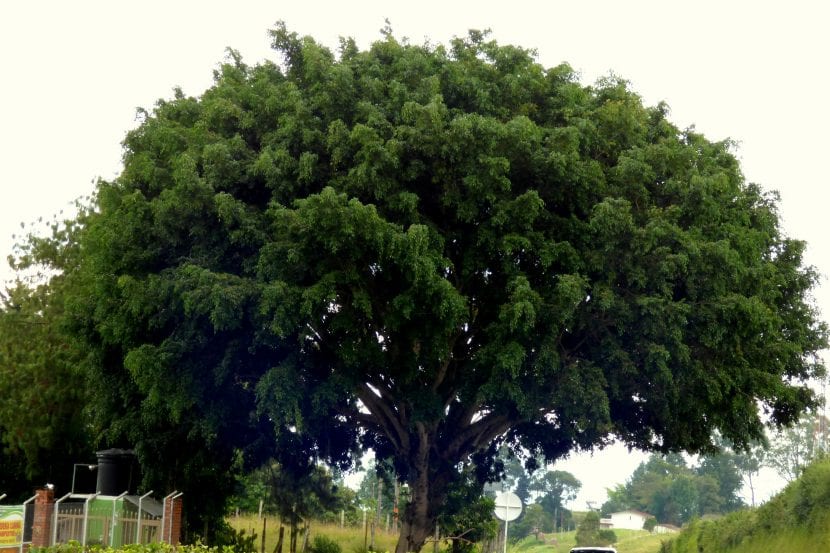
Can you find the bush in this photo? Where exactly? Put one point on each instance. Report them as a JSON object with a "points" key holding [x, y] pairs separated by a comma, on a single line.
{"points": [[322, 544], [811, 501], [226, 535], [589, 532], [606, 537]]}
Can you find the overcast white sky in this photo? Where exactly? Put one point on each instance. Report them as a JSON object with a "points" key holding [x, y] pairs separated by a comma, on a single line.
{"points": [[73, 74]]}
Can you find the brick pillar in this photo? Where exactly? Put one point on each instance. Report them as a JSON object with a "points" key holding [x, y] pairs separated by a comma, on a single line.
{"points": [[172, 531], [42, 521]]}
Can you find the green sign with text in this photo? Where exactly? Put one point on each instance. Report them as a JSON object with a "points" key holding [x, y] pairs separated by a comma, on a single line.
{"points": [[11, 525]]}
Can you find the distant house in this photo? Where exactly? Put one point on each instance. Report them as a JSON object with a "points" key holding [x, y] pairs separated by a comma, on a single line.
{"points": [[666, 529], [628, 520]]}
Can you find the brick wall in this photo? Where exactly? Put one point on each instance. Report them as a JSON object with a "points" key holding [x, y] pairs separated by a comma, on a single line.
{"points": [[172, 531], [42, 522]]}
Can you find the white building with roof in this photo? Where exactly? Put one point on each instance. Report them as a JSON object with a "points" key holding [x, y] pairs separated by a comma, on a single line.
{"points": [[628, 520]]}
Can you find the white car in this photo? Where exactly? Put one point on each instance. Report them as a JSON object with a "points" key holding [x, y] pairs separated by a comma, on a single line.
{"points": [[593, 550]]}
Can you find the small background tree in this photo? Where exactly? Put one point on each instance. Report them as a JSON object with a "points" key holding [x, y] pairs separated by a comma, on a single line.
{"points": [[589, 532]]}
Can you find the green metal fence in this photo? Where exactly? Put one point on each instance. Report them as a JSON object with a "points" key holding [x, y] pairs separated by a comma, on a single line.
{"points": [[106, 520]]}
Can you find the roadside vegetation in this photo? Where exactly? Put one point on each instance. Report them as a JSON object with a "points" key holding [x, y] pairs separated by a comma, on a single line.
{"points": [[628, 541], [794, 521], [351, 539]]}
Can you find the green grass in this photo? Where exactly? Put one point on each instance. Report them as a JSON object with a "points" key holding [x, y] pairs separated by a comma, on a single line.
{"points": [[628, 541], [797, 540], [351, 539]]}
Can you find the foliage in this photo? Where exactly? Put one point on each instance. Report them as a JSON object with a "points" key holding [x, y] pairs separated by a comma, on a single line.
{"points": [[76, 547], [467, 515], [792, 449], [650, 524], [628, 541], [589, 532], [43, 417], [675, 493], [723, 468], [383, 475], [549, 489], [749, 464], [617, 500], [533, 519], [322, 544], [555, 488], [237, 540], [298, 494], [606, 536], [424, 250], [800, 510]]}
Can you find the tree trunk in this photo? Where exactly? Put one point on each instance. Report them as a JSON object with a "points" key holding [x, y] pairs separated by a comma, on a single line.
{"points": [[395, 507], [292, 542], [419, 516], [278, 547], [414, 532]]}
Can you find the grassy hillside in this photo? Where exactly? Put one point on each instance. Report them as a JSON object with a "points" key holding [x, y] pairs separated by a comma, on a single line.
{"points": [[796, 521]]}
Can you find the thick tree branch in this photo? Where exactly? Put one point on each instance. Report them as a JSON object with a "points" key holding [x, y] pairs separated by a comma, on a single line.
{"points": [[393, 427], [442, 370], [477, 435]]}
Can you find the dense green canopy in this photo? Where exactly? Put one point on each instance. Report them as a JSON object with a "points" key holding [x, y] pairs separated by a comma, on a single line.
{"points": [[43, 392], [425, 250]]}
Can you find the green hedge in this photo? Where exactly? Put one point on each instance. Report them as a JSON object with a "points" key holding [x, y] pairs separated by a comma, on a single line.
{"points": [[76, 547]]}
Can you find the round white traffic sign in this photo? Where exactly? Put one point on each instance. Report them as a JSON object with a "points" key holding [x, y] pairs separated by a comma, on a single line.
{"points": [[508, 506]]}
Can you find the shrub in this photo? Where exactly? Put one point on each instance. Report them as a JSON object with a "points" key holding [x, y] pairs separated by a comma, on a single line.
{"points": [[606, 537], [322, 544], [811, 500], [226, 535]]}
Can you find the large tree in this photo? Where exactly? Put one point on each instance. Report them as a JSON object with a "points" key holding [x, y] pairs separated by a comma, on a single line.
{"points": [[555, 488], [43, 393], [426, 250], [792, 449]]}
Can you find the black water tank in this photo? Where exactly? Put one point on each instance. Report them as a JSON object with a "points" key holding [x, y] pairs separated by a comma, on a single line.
{"points": [[117, 471]]}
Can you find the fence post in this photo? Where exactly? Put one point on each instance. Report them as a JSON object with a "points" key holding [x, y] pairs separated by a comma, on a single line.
{"points": [[24, 520], [55, 520], [138, 522], [114, 519], [42, 521], [89, 498]]}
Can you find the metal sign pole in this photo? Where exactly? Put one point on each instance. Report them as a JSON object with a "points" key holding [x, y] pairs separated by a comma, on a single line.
{"points": [[508, 507]]}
